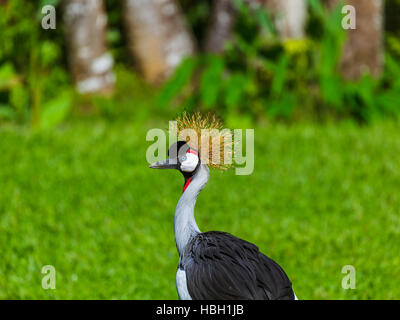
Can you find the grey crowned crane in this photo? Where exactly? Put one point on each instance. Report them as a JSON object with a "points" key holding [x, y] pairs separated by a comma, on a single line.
{"points": [[216, 265]]}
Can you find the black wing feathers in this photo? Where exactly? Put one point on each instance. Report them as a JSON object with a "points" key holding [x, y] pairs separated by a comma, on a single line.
{"points": [[220, 266]]}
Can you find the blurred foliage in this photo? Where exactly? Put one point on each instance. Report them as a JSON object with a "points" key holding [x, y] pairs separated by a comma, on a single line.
{"points": [[115, 32], [197, 14], [392, 13], [259, 75], [33, 73]]}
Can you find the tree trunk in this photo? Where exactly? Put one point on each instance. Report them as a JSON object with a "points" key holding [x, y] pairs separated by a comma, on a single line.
{"points": [[222, 22], [331, 4], [90, 63], [363, 51], [158, 36], [289, 16]]}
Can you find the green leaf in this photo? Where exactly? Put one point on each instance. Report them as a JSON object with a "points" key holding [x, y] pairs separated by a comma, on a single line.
{"points": [[49, 2], [366, 90], [177, 82], [8, 76], [49, 53], [316, 7], [211, 81], [331, 89], [282, 107], [19, 98], [264, 20], [6, 112], [280, 72], [55, 111], [388, 102], [235, 90]]}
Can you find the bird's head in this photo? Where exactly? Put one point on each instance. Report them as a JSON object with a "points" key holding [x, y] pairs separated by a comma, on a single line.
{"points": [[181, 157], [193, 150]]}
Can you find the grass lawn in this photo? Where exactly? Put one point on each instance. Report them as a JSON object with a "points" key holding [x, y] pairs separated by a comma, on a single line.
{"points": [[82, 198]]}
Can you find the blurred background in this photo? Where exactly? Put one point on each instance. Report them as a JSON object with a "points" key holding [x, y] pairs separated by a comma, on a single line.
{"points": [[77, 100]]}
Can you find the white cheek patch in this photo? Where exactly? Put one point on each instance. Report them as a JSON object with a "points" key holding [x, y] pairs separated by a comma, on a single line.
{"points": [[190, 163]]}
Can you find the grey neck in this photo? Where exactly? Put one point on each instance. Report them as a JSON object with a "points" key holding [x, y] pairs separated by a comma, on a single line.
{"points": [[184, 223]]}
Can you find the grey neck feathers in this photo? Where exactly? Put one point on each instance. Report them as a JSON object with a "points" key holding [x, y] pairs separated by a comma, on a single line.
{"points": [[184, 223]]}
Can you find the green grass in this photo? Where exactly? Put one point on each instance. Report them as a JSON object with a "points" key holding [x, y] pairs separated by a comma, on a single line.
{"points": [[82, 198]]}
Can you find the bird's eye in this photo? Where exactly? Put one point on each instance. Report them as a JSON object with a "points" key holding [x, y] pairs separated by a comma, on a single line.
{"points": [[183, 158]]}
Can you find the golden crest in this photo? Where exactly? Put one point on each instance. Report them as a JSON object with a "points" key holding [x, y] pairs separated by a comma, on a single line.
{"points": [[206, 134]]}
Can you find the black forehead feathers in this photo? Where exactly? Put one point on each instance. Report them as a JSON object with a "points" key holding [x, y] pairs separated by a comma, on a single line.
{"points": [[179, 147]]}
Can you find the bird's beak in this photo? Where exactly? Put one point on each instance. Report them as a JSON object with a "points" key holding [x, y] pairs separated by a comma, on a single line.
{"points": [[165, 164]]}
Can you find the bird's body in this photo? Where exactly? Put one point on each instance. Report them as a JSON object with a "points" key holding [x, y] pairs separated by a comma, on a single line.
{"points": [[216, 265], [220, 266]]}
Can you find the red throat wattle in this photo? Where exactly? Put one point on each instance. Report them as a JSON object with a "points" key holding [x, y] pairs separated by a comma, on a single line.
{"points": [[186, 185], [188, 180]]}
